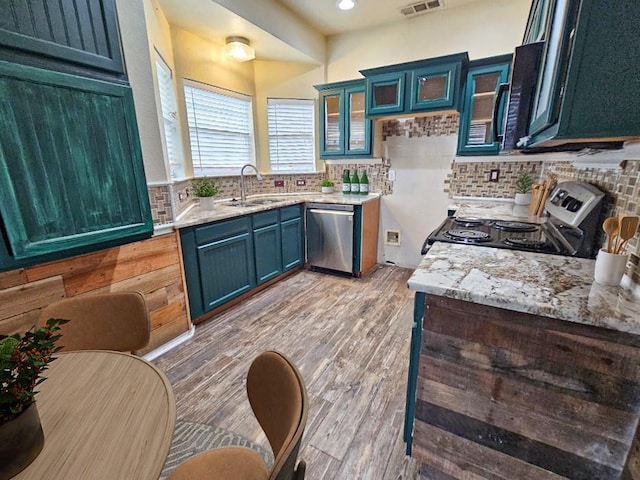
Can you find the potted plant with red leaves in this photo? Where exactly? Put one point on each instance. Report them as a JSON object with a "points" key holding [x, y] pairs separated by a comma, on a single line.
{"points": [[23, 359]]}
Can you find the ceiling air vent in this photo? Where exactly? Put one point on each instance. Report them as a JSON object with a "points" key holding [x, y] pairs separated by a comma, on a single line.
{"points": [[420, 7]]}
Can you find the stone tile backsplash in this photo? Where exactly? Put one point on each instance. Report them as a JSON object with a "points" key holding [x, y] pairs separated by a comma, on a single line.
{"points": [[473, 179]]}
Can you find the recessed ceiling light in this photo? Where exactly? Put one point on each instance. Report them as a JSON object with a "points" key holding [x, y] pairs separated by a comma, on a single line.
{"points": [[346, 4]]}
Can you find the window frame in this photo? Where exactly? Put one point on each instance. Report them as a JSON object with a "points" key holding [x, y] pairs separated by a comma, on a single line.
{"points": [[175, 163], [310, 164], [196, 157]]}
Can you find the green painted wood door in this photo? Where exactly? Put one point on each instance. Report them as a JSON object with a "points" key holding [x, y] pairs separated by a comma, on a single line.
{"points": [[331, 123], [71, 170], [268, 252], [82, 33], [385, 93], [226, 269], [292, 243]]}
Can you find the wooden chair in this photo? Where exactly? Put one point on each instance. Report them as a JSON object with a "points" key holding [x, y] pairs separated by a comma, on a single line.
{"points": [[278, 398], [109, 321]]}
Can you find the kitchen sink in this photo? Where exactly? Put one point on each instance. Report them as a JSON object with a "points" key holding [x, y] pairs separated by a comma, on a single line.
{"points": [[251, 203]]}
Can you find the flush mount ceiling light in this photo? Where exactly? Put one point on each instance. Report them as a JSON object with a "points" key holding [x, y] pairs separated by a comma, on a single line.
{"points": [[346, 4], [239, 48]]}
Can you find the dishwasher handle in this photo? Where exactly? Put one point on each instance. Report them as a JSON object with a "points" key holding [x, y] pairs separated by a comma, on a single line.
{"points": [[330, 212]]}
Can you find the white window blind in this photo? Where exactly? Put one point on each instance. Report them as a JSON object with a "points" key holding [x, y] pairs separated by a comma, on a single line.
{"points": [[173, 144], [220, 129], [291, 135]]}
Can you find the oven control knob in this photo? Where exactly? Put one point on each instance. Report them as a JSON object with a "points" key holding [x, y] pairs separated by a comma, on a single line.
{"points": [[574, 205], [566, 201]]}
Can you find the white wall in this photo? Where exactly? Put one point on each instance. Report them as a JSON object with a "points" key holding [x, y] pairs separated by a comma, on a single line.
{"points": [[135, 44], [418, 203], [484, 29]]}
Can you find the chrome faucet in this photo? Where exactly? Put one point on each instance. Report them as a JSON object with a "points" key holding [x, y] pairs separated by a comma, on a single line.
{"points": [[243, 192]]}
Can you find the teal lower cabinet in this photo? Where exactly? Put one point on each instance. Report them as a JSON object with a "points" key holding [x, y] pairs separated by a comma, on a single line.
{"points": [[219, 263], [292, 234], [225, 259], [267, 245]]}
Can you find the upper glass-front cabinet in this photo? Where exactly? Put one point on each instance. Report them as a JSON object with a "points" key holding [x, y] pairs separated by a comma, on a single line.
{"points": [[424, 85], [344, 128], [333, 123], [476, 135]]}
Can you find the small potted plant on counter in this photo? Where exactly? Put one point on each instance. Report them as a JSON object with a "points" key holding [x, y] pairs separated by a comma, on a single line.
{"points": [[327, 186], [205, 188], [23, 359], [523, 189]]}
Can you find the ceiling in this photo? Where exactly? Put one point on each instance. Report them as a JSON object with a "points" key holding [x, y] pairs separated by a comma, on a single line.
{"points": [[210, 20], [325, 17]]}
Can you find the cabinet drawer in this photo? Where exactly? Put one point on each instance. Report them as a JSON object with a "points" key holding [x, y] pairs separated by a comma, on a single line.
{"points": [[287, 213], [220, 230], [263, 219]]}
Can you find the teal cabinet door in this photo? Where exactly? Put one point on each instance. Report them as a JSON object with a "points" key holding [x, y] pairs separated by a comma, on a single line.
{"points": [[292, 232], [73, 35], [71, 170], [357, 125], [226, 269], [331, 123], [345, 131], [268, 252], [385, 93], [434, 87], [476, 135]]}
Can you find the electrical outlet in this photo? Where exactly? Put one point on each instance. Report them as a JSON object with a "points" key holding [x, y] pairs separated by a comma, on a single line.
{"points": [[494, 175], [392, 175], [301, 182], [180, 196], [278, 183]]}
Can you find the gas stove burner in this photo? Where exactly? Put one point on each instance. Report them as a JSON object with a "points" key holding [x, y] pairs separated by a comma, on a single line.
{"points": [[530, 243], [468, 235], [469, 221], [516, 226]]}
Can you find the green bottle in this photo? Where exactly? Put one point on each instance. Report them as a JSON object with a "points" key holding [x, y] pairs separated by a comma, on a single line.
{"points": [[355, 183], [364, 184], [346, 182]]}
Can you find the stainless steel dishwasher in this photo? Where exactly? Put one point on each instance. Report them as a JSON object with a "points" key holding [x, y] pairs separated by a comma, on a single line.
{"points": [[330, 236]]}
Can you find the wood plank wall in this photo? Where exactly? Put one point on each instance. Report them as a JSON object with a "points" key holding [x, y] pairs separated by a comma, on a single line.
{"points": [[504, 395], [152, 267]]}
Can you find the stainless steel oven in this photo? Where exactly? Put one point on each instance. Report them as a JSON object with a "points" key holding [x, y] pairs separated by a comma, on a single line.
{"points": [[570, 229]]}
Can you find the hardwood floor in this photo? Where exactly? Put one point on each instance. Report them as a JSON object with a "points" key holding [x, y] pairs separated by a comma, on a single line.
{"points": [[350, 340]]}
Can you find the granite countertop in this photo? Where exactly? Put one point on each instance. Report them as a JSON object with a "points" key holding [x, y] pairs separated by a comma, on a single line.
{"points": [[495, 210], [548, 285], [198, 216]]}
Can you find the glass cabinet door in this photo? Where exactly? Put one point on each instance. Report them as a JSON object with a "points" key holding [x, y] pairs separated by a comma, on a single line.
{"points": [[332, 141], [385, 93], [357, 132], [476, 121], [433, 87]]}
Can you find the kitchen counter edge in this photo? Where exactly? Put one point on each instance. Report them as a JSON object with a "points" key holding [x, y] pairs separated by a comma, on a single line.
{"points": [[196, 216], [548, 285]]}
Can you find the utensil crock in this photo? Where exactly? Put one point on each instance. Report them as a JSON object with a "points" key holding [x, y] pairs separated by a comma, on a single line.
{"points": [[609, 267]]}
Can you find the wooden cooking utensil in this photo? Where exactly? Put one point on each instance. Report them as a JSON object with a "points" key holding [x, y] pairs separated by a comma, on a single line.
{"points": [[536, 195], [611, 227], [627, 229]]}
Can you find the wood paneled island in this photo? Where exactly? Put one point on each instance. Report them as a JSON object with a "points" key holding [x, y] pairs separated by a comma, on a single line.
{"points": [[521, 368]]}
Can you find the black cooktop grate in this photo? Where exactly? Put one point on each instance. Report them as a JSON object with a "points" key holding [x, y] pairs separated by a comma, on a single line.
{"points": [[468, 235], [516, 226]]}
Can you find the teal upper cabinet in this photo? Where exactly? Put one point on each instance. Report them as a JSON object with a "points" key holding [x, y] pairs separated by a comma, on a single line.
{"points": [[476, 135], [344, 128], [76, 36], [71, 172], [587, 85], [385, 93], [425, 85]]}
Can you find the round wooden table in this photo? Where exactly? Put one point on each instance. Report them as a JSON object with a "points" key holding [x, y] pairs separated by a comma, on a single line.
{"points": [[105, 415]]}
